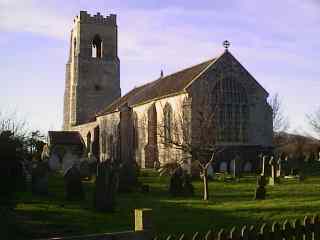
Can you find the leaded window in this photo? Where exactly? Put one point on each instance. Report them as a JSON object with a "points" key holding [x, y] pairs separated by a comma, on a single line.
{"points": [[230, 100]]}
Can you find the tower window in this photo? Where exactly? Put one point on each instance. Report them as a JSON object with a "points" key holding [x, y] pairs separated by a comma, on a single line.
{"points": [[96, 47]]}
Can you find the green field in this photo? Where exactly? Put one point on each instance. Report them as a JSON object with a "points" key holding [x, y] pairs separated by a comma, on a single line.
{"points": [[230, 204]]}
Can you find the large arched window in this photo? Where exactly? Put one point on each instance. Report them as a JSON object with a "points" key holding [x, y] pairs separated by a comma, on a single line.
{"points": [[96, 47], [232, 109], [104, 142], [167, 123]]}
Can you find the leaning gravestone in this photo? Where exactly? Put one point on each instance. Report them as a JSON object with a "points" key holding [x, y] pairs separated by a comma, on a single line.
{"points": [[107, 180], [39, 178], [260, 192], [73, 184]]}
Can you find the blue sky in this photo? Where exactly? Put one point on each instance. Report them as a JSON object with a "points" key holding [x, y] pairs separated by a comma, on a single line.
{"points": [[277, 41]]}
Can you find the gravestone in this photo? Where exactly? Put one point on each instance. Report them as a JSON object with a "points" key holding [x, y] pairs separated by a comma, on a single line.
{"points": [[128, 176], [188, 188], [73, 184], [233, 166], [106, 185], [210, 172], [69, 160], [223, 166], [260, 192], [92, 160], [247, 167], [272, 166], [39, 178], [285, 166], [279, 163], [54, 163], [85, 172], [176, 183], [264, 160]]}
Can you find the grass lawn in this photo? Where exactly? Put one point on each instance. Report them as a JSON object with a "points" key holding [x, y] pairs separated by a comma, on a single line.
{"points": [[230, 204]]}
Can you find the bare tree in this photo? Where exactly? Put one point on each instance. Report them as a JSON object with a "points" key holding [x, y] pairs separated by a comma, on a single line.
{"points": [[13, 123], [198, 147], [314, 121], [280, 121]]}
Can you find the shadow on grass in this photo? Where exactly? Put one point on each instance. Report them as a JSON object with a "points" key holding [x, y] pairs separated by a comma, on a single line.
{"points": [[230, 205]]}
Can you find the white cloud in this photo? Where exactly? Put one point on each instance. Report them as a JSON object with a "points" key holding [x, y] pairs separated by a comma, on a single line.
{"points": [[267, 36], [29, 16]]}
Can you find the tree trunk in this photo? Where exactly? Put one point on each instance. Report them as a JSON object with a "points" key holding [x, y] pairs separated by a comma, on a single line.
{"points": [[205, 185]]}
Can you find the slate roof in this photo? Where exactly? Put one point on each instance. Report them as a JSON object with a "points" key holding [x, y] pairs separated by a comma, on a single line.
{"points": [[161, 87], [65, 137]]}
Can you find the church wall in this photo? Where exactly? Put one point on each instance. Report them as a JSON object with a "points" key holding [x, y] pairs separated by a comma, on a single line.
{"points": [[166, 153], [259, 130], [109, 135], [84, 130]]}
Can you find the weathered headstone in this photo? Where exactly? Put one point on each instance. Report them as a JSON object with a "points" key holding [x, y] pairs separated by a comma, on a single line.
{"points": [[264, 159], [279, 165], [107, 180], [210, 171], [39, 177], [272, 166], [128, 176], [176, 183], [260, 192], [54, 163], [188, 188], [73, 184], [69, 160], [85, 172]]}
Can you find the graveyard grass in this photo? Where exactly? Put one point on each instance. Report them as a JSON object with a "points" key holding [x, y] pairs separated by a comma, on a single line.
{"points": [[230, 204]]}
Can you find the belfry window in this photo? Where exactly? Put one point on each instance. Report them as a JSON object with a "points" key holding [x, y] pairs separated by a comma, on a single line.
{"points": [[96, 47]]}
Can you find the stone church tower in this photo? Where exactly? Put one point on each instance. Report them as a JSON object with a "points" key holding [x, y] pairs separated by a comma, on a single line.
{"points": [[92, 70]]}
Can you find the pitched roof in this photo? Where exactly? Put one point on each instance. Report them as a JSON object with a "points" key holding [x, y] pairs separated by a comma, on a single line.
{"points": [[161, 87], [65, 137]]}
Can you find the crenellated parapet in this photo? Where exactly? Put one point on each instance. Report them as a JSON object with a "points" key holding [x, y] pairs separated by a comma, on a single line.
{"points": [[85, 17]]}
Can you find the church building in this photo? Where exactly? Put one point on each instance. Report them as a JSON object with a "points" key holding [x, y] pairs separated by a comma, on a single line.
{"points": [[141, 125]]}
